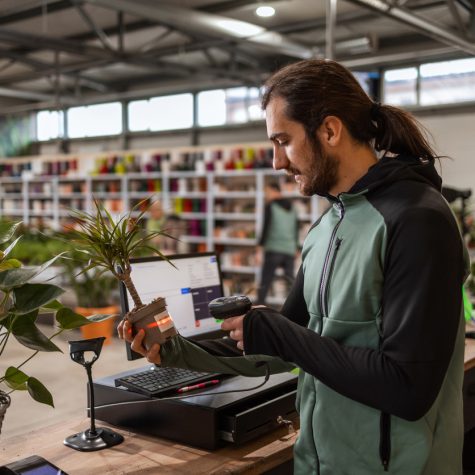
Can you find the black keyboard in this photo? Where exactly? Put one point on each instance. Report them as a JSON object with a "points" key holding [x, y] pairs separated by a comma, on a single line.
{"points": [[158, 381]]}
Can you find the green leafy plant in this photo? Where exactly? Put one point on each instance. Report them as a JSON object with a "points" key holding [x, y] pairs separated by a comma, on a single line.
{"points": [[109, 244], [22, 300]]}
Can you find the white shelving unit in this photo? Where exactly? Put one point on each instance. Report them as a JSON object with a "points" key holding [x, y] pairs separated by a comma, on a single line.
{"points": [[223, 210]]}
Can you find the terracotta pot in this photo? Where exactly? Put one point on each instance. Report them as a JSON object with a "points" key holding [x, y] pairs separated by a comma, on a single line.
{"points": [[97, 329], [155, 320]]}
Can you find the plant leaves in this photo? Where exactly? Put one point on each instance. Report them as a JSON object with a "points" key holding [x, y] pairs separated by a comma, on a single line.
{"points": [[10, 279], [10, 264], [67, 319], [29, 297], [53, 305], [24, 329], [7, 230], [11, 246], [39, 392], [16, 379]]}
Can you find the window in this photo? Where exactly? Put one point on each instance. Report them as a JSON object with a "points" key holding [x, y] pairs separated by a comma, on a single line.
{"points": [[212, 108], [254, 105], [236, 105], [162, 113], [447, 82], [92, 121], [400, 86], [171, 112], [49, 125], [140, 115]]}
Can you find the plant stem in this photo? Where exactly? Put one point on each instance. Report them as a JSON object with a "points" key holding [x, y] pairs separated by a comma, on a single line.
{"points": [[132, 290], [4, 341]]}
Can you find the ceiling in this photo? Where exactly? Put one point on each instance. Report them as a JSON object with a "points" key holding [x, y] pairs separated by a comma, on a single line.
{"points": [[58, 53]]}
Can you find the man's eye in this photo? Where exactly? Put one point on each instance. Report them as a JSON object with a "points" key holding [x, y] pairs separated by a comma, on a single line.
{"points": [[282, 143]]}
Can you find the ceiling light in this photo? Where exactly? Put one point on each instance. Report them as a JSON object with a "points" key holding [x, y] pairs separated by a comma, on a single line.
{"points": [[265, 11]]}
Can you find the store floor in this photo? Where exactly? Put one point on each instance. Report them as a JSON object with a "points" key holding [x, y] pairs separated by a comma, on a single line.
{"points": [[65, 379]]}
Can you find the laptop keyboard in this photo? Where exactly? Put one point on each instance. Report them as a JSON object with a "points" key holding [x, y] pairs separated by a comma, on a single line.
{"points": [[158, 381]]}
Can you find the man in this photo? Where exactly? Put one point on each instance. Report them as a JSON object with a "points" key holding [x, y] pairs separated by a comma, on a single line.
{"points": [[279, 238], [375, 317]]}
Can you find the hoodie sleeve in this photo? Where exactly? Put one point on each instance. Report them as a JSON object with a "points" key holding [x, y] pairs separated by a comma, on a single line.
{"points": [[422, 300]]}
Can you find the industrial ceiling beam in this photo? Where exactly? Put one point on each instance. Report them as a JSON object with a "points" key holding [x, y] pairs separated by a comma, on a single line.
{"points": [[92, 25], [430, 29], [33, 96], [44, 68], [71, 47], [34, 12], [49, 70], [44, 42], [399, 57], [208, 24]]}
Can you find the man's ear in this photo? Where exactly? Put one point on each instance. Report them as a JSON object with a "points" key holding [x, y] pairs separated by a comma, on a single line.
{"points": [[330, 132]]}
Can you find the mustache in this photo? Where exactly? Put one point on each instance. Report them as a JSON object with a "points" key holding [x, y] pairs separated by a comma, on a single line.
{"points": [[293, 171]]}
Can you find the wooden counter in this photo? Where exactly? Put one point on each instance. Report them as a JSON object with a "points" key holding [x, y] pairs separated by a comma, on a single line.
{"points": [[140, 454]]}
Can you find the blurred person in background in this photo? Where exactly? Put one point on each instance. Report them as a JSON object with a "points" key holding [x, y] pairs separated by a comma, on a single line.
{"points": [[278, 244]]}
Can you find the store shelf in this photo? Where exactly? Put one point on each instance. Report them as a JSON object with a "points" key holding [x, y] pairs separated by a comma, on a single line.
{"points": [[193, 239], [11, 196], [212, 207], [240, 269], [193, 215], [234, 194], [235, 216], [236, 241], [188, 194]]}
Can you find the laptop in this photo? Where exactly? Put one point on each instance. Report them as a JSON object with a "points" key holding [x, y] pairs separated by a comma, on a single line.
{"points": [[188, 286]]}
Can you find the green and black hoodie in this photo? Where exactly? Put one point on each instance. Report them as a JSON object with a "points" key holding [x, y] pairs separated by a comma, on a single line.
{"points": [[375, 323]]}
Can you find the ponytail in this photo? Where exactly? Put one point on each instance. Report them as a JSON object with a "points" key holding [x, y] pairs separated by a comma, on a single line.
{"points": [[398, 132]]}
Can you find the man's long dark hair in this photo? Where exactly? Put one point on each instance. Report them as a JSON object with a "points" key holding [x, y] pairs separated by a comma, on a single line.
{"points": [[315, 89]]}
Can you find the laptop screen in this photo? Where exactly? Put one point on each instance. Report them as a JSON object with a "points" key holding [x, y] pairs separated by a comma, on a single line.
{"points": [[188, 288]]}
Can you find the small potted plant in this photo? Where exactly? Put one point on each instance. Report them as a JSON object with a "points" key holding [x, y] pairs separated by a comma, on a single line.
{"points": [[109, 244], [22, 300]]}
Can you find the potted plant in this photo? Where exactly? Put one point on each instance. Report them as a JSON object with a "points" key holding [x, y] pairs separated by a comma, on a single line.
{"points": [[22, 300], [109, 244], [94, 294]]}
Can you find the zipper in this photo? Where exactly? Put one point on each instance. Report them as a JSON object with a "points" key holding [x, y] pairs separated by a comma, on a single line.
{"points": [[327, 266], [385, 440], [329, 275]]}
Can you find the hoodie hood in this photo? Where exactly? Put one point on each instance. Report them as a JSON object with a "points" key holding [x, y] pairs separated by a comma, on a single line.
{"points": [[402, 167]]}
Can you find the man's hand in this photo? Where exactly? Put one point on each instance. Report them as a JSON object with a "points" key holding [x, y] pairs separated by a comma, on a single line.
{"points": [[136, 343], [234, 326]]}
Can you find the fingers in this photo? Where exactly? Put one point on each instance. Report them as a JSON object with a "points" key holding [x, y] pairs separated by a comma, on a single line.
{"points": [[153, 356], [234, 326], [236, 334], [137, 343], [231, 323], [124, 330]]}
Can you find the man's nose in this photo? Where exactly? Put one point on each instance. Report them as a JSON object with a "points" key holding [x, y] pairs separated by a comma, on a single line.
{"points": [[279, 160]]}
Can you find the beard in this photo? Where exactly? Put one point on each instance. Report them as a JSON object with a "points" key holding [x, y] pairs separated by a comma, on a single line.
{"points": [[322, 173]]}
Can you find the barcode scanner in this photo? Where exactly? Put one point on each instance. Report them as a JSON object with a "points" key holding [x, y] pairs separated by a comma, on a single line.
{"points": [[226, 307]]}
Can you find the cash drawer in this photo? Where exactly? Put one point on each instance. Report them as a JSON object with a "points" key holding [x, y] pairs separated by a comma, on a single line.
{"points": [[248, 423]]}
